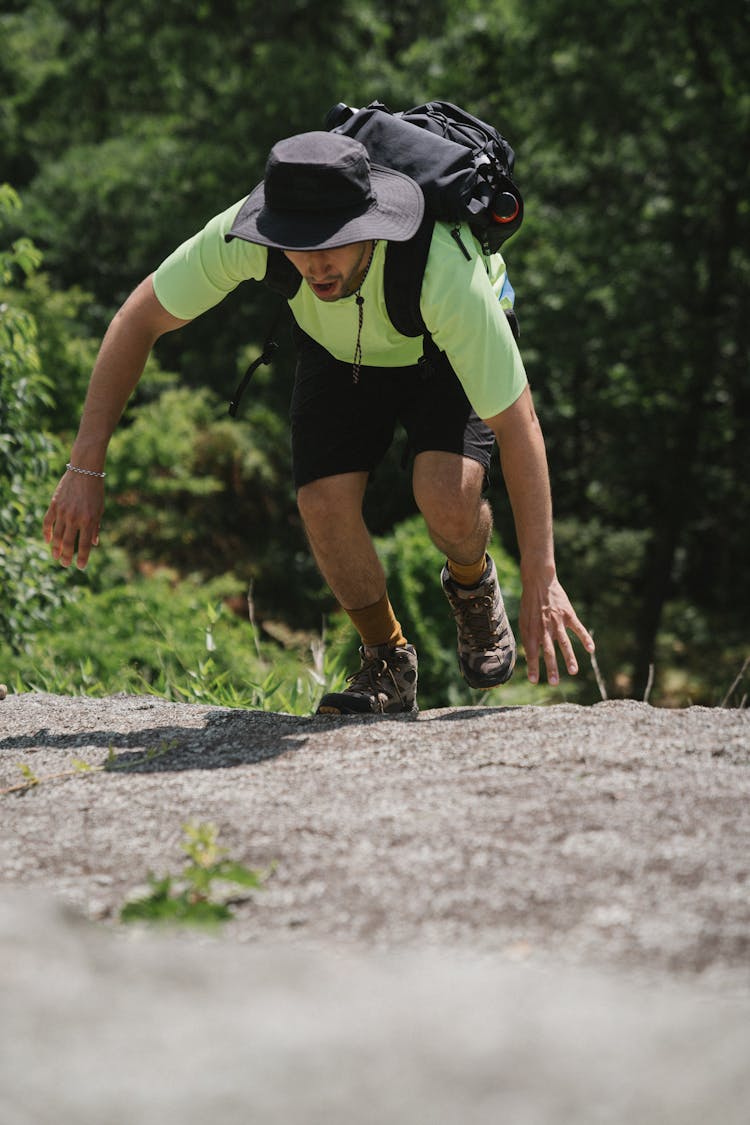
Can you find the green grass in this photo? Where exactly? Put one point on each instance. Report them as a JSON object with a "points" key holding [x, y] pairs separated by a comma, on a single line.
{"points": [[177, 640], [181, 638]]}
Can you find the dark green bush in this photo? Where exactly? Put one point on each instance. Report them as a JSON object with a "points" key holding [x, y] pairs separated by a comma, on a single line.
{"points": [[31, 589]]}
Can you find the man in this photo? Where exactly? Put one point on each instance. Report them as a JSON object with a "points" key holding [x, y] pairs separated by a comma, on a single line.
{"points": [[333, 214]]}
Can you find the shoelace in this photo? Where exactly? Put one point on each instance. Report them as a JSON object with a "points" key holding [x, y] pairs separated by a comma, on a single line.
{"points": [[477, 623], [370, 677], [370, 671]]}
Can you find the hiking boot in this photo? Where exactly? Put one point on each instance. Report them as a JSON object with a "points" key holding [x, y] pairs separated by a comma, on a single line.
{"points": [[386, 684], [486, 645]]}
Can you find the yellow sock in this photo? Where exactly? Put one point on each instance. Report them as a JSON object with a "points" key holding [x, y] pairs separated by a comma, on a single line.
{"points": [[467, 575], [377, 624]]}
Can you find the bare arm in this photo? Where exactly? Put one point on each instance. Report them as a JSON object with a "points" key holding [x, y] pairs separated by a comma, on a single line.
{"points": [[78, 501], [546, 612]]}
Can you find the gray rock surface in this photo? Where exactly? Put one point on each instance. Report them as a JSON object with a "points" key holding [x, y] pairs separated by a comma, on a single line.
{"points": [[531, 915]]}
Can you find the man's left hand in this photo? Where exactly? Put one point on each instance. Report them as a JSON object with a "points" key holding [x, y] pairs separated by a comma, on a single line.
{"points": [[546, 616]]}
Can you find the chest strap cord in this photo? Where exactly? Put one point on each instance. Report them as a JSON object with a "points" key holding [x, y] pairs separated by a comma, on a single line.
{"points": [[357, 362]]}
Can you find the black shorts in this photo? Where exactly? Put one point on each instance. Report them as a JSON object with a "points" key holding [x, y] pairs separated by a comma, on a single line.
{"points": [[338, 426]]}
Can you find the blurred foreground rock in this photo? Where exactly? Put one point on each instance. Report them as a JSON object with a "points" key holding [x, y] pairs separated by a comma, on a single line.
{"points": [[171, 1031], [537, 916]]}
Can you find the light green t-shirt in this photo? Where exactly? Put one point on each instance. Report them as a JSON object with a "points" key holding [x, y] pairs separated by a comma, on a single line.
{"points": [[459, 302]]}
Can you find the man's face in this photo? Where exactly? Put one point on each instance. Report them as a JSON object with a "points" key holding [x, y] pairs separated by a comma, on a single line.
{"points": [[333, 274]]}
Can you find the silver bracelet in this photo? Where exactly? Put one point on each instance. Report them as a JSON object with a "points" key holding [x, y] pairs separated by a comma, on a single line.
{"points": [[84, 472]]}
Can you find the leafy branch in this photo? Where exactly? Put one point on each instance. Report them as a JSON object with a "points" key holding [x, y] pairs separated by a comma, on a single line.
{"points": [[78, 767]]}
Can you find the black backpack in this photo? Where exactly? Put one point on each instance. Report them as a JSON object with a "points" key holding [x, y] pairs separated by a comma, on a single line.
{"points": [[463, 165], [465, 170]]}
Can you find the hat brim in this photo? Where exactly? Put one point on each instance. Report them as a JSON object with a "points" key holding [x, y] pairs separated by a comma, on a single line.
{"points": [[394, 215]]}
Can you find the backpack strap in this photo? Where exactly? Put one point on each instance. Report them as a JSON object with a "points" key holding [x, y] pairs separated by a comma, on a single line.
{"points": [[281, 276], [405, 264]]}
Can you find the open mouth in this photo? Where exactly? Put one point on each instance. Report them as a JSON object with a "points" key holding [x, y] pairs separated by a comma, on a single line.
{"points": [[323, 288]]}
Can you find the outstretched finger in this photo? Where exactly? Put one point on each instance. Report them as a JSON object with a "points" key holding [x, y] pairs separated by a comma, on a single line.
{"points": [[86, 540], [566, 649], [48, 523], [581, 632], [532, 660], [64, 543], [550, 659]]}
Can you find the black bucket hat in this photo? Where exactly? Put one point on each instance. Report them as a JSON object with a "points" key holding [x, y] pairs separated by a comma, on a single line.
{"points": [[321, 191]]}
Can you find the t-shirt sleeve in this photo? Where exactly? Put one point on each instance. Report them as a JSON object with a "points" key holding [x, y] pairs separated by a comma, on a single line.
{"points": [[466, 320], [203, 270]]}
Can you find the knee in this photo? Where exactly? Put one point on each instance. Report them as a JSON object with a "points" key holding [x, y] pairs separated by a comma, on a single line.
{"points": [[453, 514], [453, 518], [451, 504]]}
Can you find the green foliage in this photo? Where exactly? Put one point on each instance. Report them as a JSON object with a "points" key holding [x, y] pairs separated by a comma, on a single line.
{"points": [[126, 126], [66, 352], [194, 487], [632, 274], [602, 564], [31, 592], [177, 639], [190, 488], [194, 899], [635, 280]]}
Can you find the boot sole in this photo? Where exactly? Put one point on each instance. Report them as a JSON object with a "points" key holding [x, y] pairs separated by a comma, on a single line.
{"points": [[329, 710], [485, 686]]}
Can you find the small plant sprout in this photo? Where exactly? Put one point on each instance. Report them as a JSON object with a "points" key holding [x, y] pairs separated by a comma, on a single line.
{"points": [[30, 778], [192, 898]]}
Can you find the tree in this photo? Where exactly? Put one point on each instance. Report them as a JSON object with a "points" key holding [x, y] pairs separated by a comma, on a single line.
{"points": [[633, 274], [126, 126]]}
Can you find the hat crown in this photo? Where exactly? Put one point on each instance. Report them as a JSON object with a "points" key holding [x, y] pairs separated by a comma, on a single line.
{"points": [[317, 172], [321, 191]]}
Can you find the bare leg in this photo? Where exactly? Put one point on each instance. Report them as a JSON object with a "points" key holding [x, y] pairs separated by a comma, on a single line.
{"points": [[448, 491], [386, 683], [331, 509]]}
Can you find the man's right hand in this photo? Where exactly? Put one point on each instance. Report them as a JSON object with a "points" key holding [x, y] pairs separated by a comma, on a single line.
{"points": [[74, 516], [76, 509]]}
